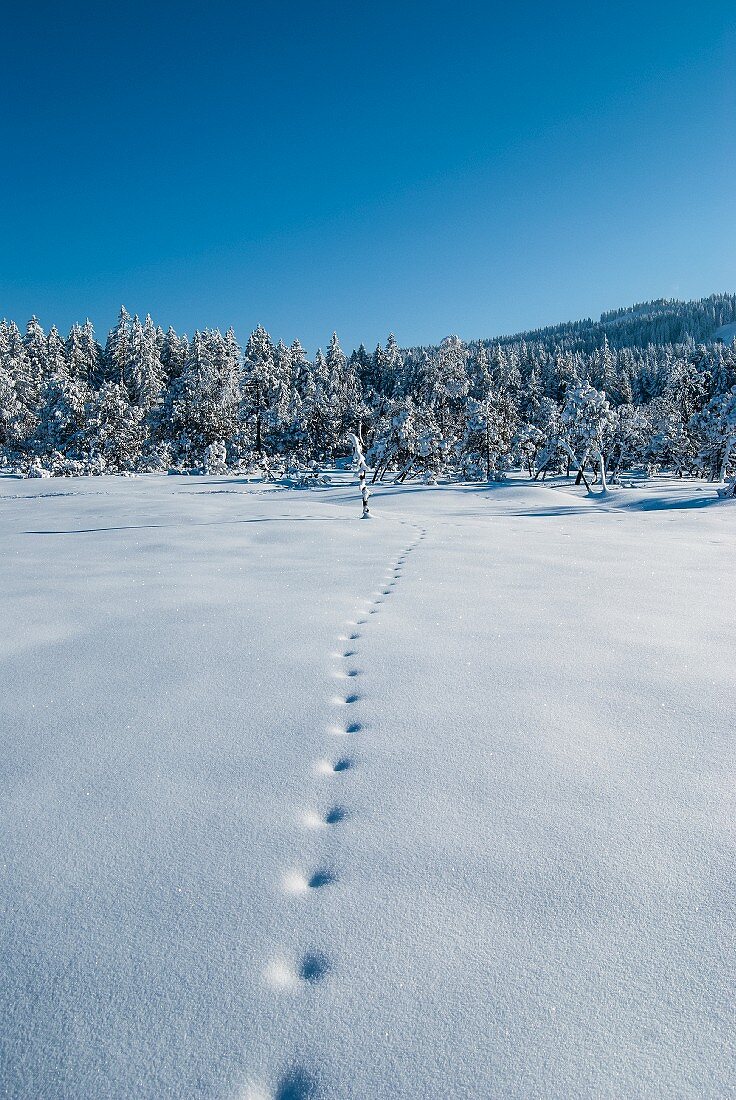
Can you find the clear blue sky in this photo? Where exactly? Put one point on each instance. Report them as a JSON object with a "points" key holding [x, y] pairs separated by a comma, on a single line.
{"points": [[424, 168]]}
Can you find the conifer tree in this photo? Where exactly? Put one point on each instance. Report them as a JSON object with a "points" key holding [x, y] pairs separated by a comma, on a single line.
{"points": [[257, 383], [117, 350]]}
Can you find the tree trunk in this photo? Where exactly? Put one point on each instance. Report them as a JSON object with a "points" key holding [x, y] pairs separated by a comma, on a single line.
{"points": [[362, 470], [602, 461], [724, 464]]}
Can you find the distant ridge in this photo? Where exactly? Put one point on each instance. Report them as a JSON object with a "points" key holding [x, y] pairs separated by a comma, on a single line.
{"points": [[662, 321]]}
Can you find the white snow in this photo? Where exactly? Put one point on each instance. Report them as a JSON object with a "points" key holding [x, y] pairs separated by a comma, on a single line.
{"points": [[438, 805]]}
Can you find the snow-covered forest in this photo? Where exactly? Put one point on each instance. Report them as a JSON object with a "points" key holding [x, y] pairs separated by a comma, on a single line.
{"points": [[652, 385]]}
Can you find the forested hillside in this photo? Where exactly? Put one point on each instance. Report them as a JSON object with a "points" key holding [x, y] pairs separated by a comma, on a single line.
{"points": [[665, 321], [650, 385]]}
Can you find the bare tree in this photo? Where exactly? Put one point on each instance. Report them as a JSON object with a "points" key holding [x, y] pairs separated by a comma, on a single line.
{"points": [[362, 471]]}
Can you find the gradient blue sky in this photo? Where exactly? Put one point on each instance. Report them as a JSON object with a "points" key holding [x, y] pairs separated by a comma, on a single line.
{"points": [[424, 168]]}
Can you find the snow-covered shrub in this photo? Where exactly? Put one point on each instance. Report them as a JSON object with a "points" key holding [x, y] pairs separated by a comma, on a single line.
{"points": [[114, 430], [215, 457], [155, 460], [488, 437], [587, 422], [715, 430], [35, 469]]}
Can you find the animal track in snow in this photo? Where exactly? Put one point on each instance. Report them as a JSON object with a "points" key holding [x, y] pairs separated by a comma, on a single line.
{"points": [[346, 700], [344, 764], [335, 815], [314, 967], [347, 728], [295, 882], [333, 768], [325, 877], [297, 1084], [314, 820], [345, 674]]}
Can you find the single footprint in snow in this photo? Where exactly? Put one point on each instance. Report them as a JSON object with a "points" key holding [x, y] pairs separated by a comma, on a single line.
{"points": [[313, 820], [330, 768], [349, 727], [322, 878], [297, 1084], [335, 815], [314, 967], [344, 764], [296, 882], [345, 700], [346, 673]]}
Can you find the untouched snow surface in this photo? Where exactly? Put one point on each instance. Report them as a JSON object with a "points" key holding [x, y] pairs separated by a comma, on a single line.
{"points": [[434, 805]]}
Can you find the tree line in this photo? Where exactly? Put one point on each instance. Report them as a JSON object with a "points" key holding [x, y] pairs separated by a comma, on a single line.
{"points": [[560, 399]]}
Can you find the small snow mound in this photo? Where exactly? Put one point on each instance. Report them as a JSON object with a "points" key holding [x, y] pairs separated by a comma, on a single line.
{"points": [[312, 820], [280, 975], [294, 882]]}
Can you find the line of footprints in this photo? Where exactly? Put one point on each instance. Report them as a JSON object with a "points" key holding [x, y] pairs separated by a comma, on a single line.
{"points": [[314, 966]]}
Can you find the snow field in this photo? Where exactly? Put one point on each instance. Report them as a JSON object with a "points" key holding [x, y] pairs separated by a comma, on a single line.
{"points": [[298, 806]]}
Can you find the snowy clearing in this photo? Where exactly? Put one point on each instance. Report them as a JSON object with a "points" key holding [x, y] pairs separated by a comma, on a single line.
{"points": [[434, 805]]}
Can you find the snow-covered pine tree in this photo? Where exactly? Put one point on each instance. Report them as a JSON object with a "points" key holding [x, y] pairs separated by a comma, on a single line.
{"points": [[36, 356], [56, 359], [205, 409], [27, 378], [450, 386], [256, 384], [173, 356], [145, 372], [715, 430], [117, 350], [63, 412], [113, 435], [10, 409], [587, 419], [392, 366], [84, 355], [489, 433]]}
